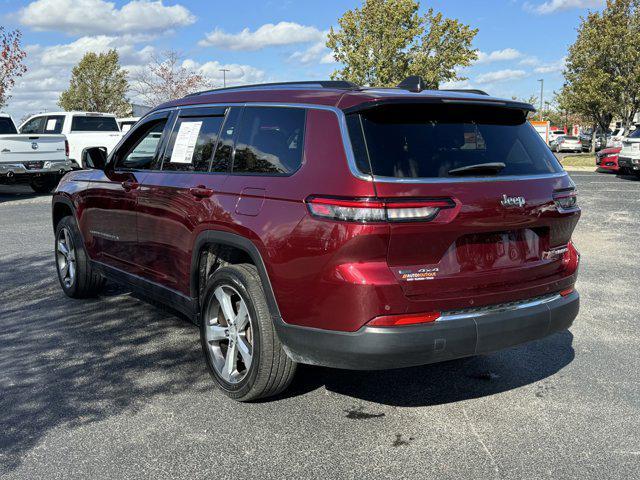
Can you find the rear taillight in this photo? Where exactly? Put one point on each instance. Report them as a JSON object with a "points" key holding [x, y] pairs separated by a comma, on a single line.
{"points": [[66, 148], [367, 210], [566, 200], [400, 320], [571, 259]]}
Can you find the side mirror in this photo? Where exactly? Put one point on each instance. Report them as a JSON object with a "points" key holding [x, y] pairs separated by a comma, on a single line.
{"points": [[95, 158]]}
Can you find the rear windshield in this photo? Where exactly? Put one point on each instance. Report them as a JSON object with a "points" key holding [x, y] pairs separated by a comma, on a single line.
{"points": [[94, 124], [431, 141], [6, 126]]}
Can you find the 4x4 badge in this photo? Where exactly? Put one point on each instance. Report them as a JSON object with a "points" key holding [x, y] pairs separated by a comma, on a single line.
{"points": [[512, 201]]}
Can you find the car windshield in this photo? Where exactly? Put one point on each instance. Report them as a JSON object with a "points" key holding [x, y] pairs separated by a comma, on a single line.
{"points": [[635, 133], [429, 141], [88, 123], [6, 126]]}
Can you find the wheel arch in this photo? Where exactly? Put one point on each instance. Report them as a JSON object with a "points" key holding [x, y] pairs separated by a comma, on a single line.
{"points": [[60, 208], [213, 238]]}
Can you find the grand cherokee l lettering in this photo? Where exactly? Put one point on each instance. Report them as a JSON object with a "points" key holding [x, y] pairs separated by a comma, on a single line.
{"points": [[329, 224]]}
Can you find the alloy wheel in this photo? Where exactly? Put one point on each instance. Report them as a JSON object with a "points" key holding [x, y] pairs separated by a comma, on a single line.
{"points": [[66, 257], [229, 334]]}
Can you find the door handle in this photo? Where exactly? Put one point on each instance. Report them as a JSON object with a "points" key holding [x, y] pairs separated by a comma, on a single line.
{"points": [[201, 192], [130, 185]]}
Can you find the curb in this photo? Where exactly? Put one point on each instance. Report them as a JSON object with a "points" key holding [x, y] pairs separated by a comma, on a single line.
{"points": [[580, 169]]}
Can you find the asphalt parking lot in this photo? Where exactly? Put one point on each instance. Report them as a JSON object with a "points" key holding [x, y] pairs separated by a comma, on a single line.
{"points": [[116, 388]]}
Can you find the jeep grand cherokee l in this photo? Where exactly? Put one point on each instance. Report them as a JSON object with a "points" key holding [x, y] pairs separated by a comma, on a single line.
{"points": [[329, 224]]}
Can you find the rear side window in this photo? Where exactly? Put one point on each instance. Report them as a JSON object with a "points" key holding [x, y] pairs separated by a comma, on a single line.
{"points": [[6, 126], [35, 125], [54, 124], [90, 123], [433, 141], [192, 144], [270, 141]]}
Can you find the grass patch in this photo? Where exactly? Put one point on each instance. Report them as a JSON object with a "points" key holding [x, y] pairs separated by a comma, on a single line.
{"points": [[584, 160]]}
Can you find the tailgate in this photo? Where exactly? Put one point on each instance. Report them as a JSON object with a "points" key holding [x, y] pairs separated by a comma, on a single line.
{"points": [[482, 245], [21, 148]]}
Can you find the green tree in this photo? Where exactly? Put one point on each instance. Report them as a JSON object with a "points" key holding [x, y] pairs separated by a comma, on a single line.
{"points": [[98, 84], [385, 41], [602, 76]]}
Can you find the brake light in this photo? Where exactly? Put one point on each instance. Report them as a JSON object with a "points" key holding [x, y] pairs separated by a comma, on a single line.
{"points": [[571, 258], [565, 199], [66, 147], [366, 210], [400, 320]]}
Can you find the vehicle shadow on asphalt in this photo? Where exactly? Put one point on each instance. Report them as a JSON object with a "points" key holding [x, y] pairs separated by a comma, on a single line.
{"points": [[65, 363], [446, 382], [10, 193]]}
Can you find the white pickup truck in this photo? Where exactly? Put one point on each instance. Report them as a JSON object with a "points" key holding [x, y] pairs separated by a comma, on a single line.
{"points": [[82, 129], [37, 159]]}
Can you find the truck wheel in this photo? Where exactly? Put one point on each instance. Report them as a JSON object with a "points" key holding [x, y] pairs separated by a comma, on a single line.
{"points": [[239, 342], [77, 278], [43, 184]]}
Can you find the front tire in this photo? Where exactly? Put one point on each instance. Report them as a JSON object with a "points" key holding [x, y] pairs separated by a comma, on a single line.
{"points": [[77, 277], [240, 345]]}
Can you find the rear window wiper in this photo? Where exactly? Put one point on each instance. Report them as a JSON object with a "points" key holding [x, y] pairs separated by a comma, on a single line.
{"points": [[490, 167]]}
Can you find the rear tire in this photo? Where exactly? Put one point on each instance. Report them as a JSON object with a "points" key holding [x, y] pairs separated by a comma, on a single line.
{"points": [[236, 321], [43, 184], [77, 278]]}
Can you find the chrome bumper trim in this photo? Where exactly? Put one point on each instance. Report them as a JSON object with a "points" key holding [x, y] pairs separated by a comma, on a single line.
{"points": [[491, 309]]}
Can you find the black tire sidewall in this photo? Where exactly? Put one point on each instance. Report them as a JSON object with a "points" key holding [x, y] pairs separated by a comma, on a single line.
{"points": [[70, 224], [237, 279]]}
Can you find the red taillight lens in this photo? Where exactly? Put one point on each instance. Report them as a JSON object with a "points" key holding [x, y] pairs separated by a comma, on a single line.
{"points": [[66, 148], [373, 210], [400, 320], [571, 258], [567, 291]]}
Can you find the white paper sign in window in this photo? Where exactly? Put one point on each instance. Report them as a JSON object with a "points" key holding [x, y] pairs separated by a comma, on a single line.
{"points": [[185, 142], [51, 124]]}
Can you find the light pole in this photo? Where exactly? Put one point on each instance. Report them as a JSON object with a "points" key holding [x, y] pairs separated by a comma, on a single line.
{"points": [[541, 96], [224, 76]]}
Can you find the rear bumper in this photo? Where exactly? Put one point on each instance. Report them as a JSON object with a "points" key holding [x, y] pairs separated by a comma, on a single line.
{"points": [[627, 162], [455, 335], [18, 170]]}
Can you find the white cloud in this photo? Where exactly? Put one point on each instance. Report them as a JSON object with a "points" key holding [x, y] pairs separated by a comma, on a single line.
{"points": [[237, 74], [316, 53], [268, 35], [83, 17], [498, 56], [71, 53], [552, 67], [552, 6], [500, 76], [529, 61]]}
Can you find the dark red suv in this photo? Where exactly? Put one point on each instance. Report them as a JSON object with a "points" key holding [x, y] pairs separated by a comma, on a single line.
{"points": [[330, 224]]}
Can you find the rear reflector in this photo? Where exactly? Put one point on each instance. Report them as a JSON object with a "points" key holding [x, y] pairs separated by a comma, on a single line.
{"points": [[567, 291], [377, 210], [399, 320]]}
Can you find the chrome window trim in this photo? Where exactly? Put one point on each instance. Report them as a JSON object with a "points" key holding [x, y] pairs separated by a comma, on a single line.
{"points": [[346, 142], [489, 310]]}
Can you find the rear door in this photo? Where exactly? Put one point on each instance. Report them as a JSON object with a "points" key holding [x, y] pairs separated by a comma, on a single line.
{"points": [[182, 198], [494, 237]]}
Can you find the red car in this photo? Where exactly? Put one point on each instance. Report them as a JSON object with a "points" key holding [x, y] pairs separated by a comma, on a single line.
{"points": [[329, 224], [607, 159]]}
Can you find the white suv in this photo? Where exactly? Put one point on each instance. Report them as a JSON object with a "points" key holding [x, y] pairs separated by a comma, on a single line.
{"points": [[629, 158]]}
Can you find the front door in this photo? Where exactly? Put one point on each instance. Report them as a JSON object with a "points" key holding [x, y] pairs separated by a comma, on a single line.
{"points": [[109, 218]]}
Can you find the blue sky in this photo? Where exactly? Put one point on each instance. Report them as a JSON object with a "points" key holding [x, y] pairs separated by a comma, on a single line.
{"points": [[520, 41]]}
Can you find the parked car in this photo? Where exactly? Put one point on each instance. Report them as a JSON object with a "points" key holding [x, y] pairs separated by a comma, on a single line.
{"points": [[566, 144], [39, 160], [629, 159], [330, 224], [607, 159], [553, 134], [82, 129], [126, 123]]}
